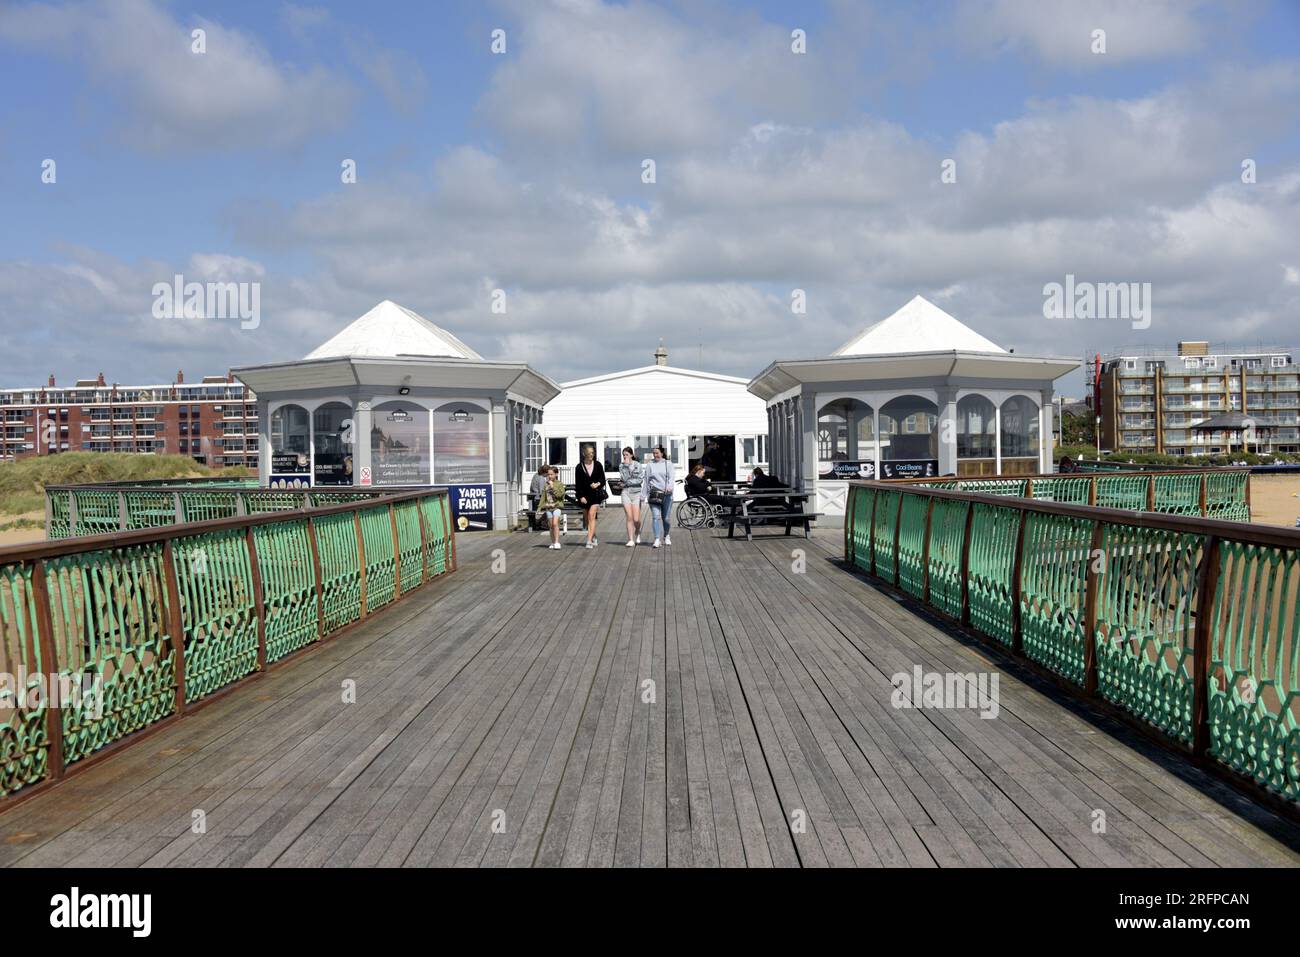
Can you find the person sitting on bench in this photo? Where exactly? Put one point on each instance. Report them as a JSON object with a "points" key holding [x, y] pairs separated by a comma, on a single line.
{"points": [[535, 493], [762, 482]]}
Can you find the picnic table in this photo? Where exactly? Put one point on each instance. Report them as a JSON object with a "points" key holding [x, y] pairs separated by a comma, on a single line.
{"points": [[769, 505]]}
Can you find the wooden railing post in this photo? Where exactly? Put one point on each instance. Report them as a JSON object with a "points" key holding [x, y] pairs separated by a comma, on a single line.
{"points": [[73, 515], [1205, 497], [1017, 570], [178, 508], [1090, 594], [424, 543], [1151, 492], [318, 575], [241, 505], [1092, 491], [1206, 588], [175, 622], [44, 629], [259, 601], [397, 553], [451, 534], [121, 512], [925, 553], [361, 553]]}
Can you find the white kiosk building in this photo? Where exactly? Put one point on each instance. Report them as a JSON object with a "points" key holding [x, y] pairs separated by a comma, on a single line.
{"points": [[694, 415], [395, 400], [915, 394]]}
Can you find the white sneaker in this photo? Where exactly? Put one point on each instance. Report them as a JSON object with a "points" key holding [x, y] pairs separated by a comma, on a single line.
{"points": [[638, 538], [668, 539], [589, 545], [656, 544], [595, 541], [556, 545], [631, 544]]}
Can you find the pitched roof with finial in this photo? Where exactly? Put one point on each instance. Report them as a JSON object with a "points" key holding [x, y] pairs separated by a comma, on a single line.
{"points": [[388, 331], [920, 326]]}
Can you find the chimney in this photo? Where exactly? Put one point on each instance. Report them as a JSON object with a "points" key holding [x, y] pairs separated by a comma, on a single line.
{"points": [[180, 377], [51, 385], [661, 355], [101, 380], [1194, 348]]}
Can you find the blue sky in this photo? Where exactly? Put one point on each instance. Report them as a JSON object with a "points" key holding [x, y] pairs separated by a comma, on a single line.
{"points": [[521, 171]]}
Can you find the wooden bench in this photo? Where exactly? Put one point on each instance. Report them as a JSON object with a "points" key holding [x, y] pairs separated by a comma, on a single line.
{"points": [[758, 508], [789, 516]]}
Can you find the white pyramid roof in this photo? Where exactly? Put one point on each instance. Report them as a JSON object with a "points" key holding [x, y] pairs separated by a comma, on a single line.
{"points": [[920, 326], [390, 330]]}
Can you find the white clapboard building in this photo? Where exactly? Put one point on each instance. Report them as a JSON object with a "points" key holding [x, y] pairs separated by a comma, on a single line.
{"points": [[694, 415]]}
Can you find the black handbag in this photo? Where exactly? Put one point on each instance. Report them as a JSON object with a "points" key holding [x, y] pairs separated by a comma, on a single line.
{"points": [[656, 496]]}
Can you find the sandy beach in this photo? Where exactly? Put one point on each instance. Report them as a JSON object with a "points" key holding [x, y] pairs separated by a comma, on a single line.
{"points": [[21, 536], [1275, 499]]}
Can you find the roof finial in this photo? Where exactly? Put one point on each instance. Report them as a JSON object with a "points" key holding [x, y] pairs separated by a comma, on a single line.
{"points": [[661, 355]]}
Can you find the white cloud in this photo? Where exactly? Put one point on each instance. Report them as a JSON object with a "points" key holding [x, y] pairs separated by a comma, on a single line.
{"points": [[230, 97], [1059, 32]]}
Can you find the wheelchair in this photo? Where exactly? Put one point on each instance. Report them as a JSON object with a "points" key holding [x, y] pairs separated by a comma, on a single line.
{"points": [[695, 513]]}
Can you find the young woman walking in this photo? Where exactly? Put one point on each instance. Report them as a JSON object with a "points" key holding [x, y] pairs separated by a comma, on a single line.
{"points": [[551, 503], [631, 474], [657, 492], [589, 483]]}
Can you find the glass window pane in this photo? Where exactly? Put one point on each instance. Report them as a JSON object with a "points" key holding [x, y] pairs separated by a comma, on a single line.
{"points": [[557, 451], [290, 441], [399, 444], [460, 445], [332, 438], [909, 429], [976, 428]]}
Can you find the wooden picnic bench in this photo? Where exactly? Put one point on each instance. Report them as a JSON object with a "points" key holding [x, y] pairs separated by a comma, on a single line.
{"points": [[777, 505]]}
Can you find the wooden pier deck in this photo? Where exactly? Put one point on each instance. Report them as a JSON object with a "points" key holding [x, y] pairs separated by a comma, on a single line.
{"points": [[503, 718]]}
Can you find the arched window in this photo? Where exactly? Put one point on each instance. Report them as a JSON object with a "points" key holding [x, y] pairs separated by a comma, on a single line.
{"points": [[533, 455], [290, 442], [845, 431], [399, 444], [460, 444], [331, 429], [909, 429], [1019, 427], [976, 428]]}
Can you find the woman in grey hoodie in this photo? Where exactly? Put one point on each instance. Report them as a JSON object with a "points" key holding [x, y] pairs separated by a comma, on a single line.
{"points": [[631, 474], [657, 492]]}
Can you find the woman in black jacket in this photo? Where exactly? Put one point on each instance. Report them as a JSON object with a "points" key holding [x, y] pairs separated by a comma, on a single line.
{"points": [[589, 489]]}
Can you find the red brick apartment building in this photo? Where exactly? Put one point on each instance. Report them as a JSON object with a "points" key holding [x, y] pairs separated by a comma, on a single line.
{"points": [[213, 421]]}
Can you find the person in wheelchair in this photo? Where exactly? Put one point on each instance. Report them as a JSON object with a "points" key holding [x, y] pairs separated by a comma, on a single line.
{"points": [[697, 486]]}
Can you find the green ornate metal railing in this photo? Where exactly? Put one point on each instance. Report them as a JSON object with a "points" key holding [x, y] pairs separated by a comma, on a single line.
{"points": [[1211, 493], [73, 510], [106, 636], [1188, 627]]}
